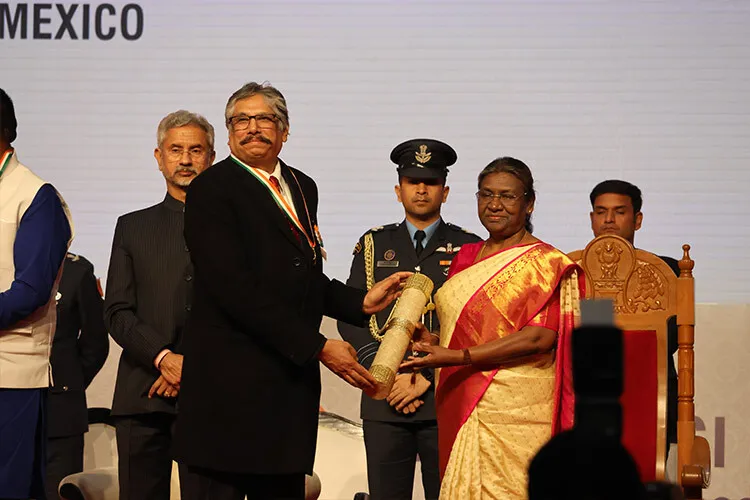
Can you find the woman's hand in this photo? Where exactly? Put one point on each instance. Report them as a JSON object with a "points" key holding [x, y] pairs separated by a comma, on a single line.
{"points": [[422, 335], [437, 357]]}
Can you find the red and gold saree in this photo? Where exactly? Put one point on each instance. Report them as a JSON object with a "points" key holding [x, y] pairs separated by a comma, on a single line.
{"points": [[492, 422]]}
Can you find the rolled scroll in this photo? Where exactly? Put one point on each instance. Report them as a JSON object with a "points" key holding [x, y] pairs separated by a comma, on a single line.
{"points": [[398, 332]]}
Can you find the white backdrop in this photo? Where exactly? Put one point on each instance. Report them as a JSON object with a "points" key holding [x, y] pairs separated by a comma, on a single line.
{"points": [[654, 92], [651, 91]]}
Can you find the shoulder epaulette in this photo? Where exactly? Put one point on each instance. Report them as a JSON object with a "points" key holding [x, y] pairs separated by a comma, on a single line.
{"points": [[357, 248], [387, 227], [80, 260], [458, 228]]}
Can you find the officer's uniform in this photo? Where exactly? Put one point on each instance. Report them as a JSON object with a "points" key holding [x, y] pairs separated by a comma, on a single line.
{"points": [[393, 440], [79, 349]]}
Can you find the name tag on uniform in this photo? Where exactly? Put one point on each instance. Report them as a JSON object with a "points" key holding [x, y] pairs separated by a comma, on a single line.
{"points": [[445, 263], [387, 263]]}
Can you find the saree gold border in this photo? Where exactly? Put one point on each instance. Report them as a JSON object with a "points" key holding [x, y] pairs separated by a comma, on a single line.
{"points": [[530, 269], [570, 297], [462, 287]]}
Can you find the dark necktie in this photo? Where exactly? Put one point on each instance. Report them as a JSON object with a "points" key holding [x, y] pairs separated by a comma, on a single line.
{"points": [[419, 236]]}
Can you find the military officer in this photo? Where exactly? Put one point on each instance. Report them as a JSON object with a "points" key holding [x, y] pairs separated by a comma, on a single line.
{"points": [[79, 349], [404, 425]]}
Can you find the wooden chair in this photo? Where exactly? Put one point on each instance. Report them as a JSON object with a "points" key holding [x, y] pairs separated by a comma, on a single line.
{"points": [[645, 293]]}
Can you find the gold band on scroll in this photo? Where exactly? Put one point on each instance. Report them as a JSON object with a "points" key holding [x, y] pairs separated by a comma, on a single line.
{"points": [[383, 375], [422, 283], [400, 323]]}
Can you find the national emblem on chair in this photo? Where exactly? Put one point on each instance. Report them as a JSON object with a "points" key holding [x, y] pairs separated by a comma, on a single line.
{"points": [[645, 293]]}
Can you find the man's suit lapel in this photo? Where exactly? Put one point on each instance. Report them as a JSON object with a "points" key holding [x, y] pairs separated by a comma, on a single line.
{"points": [[265, 201]]}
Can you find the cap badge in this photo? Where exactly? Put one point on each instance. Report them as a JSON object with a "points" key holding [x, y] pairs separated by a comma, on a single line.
{"points": [[423, 156]]}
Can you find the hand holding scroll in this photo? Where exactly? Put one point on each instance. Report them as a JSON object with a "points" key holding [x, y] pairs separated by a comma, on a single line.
{"points": [[437, 357], [341, 358], [423, 336], [384, 292]]}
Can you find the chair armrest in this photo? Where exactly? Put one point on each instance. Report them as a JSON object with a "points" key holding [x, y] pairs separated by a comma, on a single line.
{"points": [[94, 484], [698, 473]]}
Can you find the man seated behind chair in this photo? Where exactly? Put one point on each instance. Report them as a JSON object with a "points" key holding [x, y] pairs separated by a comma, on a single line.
{"points": [[616, 209]]}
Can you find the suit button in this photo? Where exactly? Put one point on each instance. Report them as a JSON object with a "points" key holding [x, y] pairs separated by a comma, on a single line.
{"points": [[297, 262], [187, 308], [65, 388], [188, 278]]}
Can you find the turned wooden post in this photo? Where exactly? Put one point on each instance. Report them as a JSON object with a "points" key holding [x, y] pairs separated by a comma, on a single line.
{"points": [[685, 361]]}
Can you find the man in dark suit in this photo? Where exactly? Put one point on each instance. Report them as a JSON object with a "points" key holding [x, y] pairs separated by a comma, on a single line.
{"points": [[251, 386], [404, 426], [616, 209], [148, 298], [79, 349]]}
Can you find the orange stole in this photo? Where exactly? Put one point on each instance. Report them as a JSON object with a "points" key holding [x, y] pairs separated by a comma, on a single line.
{"points": [[506, 303]]}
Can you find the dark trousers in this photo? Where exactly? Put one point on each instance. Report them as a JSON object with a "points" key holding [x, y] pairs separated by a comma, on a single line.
{"points": [[64, 457], [144, 464], [23, 443], [392, 450], [215, 485]]}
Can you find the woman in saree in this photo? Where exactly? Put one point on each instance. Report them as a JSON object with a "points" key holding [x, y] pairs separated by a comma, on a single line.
{"points": [[506, 315]]}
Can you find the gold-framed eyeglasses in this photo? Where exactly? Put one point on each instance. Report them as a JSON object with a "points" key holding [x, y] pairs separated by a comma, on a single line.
{"points": [[506, 199], [242, 122], [176, 153]]}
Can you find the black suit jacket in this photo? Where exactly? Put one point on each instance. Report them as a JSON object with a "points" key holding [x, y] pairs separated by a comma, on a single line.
{"points": [[251, 381], [79, 348], [147, 300], [394, 251]]}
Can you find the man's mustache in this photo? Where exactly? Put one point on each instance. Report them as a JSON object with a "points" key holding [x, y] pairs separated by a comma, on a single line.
{"points": [[255, 136], [186, 169]]}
